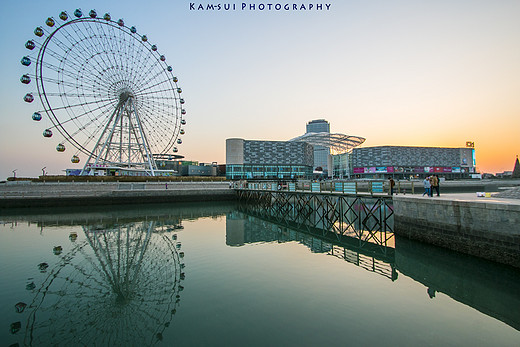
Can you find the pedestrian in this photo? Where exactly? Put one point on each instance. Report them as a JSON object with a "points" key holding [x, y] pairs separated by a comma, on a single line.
{"points": [[435, 184], [427, 186], [392, 184]]}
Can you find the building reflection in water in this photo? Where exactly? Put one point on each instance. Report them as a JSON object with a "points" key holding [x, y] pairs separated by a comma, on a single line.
{"points": [[242, 229], [116, 283]]}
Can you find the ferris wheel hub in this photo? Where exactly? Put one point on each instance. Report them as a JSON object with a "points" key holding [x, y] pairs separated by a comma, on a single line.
{"points": [[124, 96]]}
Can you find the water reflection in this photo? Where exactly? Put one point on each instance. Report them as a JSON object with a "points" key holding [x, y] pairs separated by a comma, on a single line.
{"points": [[116, 277], [243, 228], [491, 288], [118, 282]]}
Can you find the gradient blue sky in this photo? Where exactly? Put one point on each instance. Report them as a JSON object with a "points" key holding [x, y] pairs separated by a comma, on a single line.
{"points": [[425, 73]]}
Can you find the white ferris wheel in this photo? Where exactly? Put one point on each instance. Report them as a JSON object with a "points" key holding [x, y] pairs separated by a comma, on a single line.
{"points": [[110, 97]]}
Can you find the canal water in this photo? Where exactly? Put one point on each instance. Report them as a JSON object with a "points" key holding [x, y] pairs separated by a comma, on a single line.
{"points": [[211, 274]]}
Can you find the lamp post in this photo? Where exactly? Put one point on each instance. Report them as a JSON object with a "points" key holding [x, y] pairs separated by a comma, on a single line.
{"points": [[43, 170], [14, 174]]}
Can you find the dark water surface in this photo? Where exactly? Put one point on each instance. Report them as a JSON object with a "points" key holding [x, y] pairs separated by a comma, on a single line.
{"points": [[209, 274]]}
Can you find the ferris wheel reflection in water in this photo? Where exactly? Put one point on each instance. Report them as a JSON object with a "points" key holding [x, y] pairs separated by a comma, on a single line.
{"points": [[120, 284]]}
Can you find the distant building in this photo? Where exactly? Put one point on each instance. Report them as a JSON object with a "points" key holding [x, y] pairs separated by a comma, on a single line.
{"points": [[190, 168], [405, 161], [516, 170], [505, 174], [321, 153], [252, 159]]}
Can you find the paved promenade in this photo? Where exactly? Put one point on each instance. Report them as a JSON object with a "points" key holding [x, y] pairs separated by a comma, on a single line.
{"points": [[513, 193], [505, 198]]}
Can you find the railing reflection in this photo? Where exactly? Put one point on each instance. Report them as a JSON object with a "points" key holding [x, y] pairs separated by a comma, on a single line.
{"points": [[251, 226], [366, 219]]}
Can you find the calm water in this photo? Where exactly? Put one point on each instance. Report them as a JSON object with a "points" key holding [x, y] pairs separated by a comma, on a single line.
{"points": [[206, 274]]}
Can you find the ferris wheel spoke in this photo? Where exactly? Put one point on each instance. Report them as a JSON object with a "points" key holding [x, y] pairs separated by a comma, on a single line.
{"points": [[162, 97], [155, 85], [161, 141], [148, 118], [134, 54], [140, 64], [81, 127], [68, 68], [74, 95], [109, 47], [152, 77], [86, 42], [159, 104], [83, 104], [72, 139], [110, 59], [67, 50], [127, 50], [90, 112], [58, 70], [149, 75], [70, 53], [87, 37], [78, 45]]}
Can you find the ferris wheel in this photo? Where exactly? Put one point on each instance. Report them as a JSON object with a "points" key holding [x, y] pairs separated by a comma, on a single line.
{"points": [[105, 91]]}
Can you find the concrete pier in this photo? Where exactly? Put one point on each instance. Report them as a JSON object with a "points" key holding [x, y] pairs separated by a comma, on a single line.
{"points": [[485, 227], [30, 194]]}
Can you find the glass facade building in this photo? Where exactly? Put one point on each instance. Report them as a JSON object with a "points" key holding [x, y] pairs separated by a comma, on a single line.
{"points": [[251, 159], [404, 161], [321, 153]]}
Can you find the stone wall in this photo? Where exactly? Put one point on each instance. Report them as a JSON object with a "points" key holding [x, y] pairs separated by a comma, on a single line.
{"points": [[76, 194], [485, 229]]}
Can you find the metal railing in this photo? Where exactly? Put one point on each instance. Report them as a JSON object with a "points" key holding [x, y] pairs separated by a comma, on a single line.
{"points": [[344, 187]]}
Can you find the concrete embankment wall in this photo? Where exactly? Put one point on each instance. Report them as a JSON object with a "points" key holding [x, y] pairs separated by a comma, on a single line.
{"points": [[485, 229], [97, 193]]}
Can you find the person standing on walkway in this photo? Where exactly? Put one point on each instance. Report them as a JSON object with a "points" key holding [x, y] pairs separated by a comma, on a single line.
{"points": [[392, 184], [427, 186], [435, 185]]}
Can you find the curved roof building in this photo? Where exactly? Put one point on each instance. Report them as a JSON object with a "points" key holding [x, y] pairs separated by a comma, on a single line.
{"points": [[338, 143]]}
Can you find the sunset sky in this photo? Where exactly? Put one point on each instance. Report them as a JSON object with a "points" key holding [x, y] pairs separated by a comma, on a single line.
{"points": [[409, 72]]}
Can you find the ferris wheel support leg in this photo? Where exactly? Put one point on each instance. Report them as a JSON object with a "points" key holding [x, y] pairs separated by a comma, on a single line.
{"points": [[149, 158], [144, 246], [117, 111]]}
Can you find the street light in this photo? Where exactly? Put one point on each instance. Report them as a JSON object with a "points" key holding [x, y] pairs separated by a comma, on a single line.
{"points": [[43, 170], [14, 173]]}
